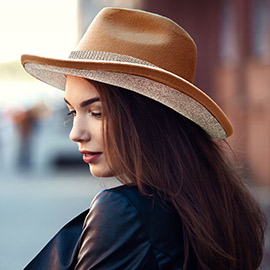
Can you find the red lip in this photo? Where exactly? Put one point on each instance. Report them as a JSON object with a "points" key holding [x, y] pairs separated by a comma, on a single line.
{"points": [[90, 157]]}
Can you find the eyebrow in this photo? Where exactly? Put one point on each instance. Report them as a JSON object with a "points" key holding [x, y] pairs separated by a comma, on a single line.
{"points": [[86, 102]]}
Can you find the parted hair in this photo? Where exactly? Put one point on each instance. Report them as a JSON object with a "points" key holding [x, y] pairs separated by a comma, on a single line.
{"points": [[152, 146]]}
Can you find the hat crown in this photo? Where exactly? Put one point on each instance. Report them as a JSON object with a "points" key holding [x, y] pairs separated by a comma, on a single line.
{"points": [[142, 52], [145, 36]]}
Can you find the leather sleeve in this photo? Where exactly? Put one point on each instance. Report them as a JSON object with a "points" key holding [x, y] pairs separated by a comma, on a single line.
{"points": [[61, 251], [113, 236]]}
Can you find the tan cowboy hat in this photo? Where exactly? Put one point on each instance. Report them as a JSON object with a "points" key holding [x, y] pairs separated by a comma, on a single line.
{"points": [[139, 51]]}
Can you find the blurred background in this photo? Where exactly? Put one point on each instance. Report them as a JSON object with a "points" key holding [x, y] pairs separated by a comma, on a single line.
{"points": [[43, 181]]}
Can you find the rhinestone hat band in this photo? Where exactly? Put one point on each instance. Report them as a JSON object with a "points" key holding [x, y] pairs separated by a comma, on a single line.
{"points": [[108, 56], [166, 95]]}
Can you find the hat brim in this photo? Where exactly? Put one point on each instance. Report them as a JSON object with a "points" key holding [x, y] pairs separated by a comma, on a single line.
{"points": [[153, 82]]}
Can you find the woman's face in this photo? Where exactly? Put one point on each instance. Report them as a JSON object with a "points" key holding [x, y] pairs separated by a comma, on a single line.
{"points": [[84, 104]]}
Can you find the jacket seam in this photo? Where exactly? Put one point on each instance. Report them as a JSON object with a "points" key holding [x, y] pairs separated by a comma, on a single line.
{"points": [[141, 219]]}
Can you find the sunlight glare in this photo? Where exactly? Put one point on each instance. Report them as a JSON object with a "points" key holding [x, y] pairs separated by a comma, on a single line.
{"points": [[37, 27]]}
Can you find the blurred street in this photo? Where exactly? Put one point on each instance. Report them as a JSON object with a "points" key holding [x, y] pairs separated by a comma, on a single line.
{"points": [[34, 208]]}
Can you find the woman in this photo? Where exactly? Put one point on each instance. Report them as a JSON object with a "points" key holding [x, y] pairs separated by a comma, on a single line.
{"points": [[138, 116]]}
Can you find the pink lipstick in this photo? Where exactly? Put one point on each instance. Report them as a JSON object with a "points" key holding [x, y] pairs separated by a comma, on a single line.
{"points": [[90, 157]]}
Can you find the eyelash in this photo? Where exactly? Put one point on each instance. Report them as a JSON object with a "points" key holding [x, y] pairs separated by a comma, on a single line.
{"points": [[97, 115], [70, 117], [73, 113]]}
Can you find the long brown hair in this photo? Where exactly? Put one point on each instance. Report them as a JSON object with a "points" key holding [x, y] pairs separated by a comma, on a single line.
{"points": [[150, 145]]}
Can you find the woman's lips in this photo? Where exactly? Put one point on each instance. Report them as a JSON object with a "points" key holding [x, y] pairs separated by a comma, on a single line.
{"points": [[90, 157]]}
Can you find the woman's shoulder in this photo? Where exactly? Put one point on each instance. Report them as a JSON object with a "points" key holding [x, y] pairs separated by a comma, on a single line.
{"points": [[118, 198], [146, 220]]}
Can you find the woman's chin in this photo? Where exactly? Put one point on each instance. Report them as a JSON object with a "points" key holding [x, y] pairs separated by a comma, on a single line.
{"points": [[100, 171]]}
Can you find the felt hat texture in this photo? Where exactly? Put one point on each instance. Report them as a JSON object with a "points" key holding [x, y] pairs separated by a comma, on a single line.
{"points": [[142, 52]]}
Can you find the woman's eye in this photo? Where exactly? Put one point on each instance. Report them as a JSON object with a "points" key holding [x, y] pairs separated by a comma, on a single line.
{"points": [[96, 114], [70, 115]]}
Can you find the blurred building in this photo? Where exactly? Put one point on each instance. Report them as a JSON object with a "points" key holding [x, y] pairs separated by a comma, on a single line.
{"points": [[233, 40]]}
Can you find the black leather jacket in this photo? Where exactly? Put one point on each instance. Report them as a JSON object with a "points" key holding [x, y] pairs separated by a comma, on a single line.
{"points": [[122, 230]]}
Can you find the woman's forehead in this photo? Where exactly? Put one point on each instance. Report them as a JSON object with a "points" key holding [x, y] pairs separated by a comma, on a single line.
{"points": [[78, 89]]}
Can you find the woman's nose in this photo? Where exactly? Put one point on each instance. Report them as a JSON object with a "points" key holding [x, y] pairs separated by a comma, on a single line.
{"points": [[79, 132]]}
